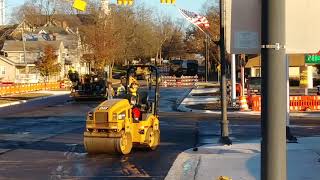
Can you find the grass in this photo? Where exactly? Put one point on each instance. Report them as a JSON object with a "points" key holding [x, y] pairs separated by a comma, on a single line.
{"points": [[20, 97]]}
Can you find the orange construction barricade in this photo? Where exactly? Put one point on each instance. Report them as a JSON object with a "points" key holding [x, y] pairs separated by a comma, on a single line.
{"points": [[243, 103]]}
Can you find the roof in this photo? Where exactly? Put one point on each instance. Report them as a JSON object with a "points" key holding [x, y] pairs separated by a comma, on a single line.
{"points": [[295, 60], [2, 58], [6, 30], [51, 29], [30, 45]]}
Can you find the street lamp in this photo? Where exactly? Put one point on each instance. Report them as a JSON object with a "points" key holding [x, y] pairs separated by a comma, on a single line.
{"points": [[224, 123]]}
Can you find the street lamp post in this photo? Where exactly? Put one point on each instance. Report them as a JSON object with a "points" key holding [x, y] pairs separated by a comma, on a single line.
{"points": [[224, 123], [274, 91]]}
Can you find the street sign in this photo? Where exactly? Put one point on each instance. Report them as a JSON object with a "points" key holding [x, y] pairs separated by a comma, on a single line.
{"points": [[304, 77], [80, 5], [302, 27], [312, 59], [243, 24]]}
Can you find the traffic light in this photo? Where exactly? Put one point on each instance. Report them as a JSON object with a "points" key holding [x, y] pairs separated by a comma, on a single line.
{"points": [[125, 2], [167, 1]]}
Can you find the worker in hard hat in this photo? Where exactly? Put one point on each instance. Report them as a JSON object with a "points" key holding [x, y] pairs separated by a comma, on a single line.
{"points": [[133, 86], [133, 89]]}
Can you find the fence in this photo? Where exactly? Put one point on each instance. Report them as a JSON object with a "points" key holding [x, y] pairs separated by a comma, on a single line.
{"points": [[24, 88], [297, 103], [172, 81], [164, 70]]}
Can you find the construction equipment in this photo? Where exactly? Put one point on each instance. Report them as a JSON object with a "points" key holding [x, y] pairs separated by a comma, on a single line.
{"points": [[89, 87], [114, 128]]}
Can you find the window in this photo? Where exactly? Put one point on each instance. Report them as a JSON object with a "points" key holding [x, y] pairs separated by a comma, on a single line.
{"points": [[3, 70]]}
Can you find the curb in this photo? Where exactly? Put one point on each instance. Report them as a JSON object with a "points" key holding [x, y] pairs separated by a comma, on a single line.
{"points": [[180, 100]]}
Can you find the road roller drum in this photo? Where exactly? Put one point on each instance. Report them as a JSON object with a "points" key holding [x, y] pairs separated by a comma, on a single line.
{"points": [[100, 143]]}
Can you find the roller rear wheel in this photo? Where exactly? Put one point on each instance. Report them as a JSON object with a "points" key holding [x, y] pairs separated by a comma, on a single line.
{"points": [[152, 138]]}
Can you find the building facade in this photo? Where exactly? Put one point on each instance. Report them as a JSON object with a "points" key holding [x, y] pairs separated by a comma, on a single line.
{"points": [[18, 66]]}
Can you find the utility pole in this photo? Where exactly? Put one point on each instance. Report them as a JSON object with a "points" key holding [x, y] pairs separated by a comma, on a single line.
{"points": [[274, 91], [207, 57], [224, 124]]}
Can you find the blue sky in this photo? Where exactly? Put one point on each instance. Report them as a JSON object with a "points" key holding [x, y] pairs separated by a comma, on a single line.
{"points": [[192, 5]]}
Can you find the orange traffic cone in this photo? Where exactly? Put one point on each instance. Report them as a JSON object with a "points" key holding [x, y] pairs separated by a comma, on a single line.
{"points": [[243, 104]]}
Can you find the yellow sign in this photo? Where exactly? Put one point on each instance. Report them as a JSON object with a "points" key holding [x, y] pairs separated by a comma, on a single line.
{"points": [[80, 5], [304, 77]]}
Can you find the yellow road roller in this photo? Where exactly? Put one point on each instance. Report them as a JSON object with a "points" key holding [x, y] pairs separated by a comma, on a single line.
{"points": [[113, 126]]}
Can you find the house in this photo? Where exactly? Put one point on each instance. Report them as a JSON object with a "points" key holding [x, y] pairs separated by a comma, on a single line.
{"points": [[7, 70], [19, 69], [72, 45]]}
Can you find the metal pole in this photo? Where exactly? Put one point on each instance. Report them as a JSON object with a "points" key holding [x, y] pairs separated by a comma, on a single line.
{"points": [[224, 124], [288, 92], [289, 135], [233, 78], [242, 74], [274, 91], [206, 62]]}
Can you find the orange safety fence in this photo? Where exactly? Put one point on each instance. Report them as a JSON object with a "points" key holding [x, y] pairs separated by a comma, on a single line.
{"points": [[297, 103], [172, 81], [24, 88]]}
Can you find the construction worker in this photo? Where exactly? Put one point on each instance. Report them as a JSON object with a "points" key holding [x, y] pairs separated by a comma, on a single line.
{"points": [[110, 90], [73, 75], [133, 87], [121, 89], [147, 73]]}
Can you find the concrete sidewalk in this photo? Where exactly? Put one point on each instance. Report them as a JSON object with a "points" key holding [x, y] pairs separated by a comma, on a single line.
{"points": [[242, 161]]}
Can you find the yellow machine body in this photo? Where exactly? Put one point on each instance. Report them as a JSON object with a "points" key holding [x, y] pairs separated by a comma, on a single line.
{"points": [[110, 128]]}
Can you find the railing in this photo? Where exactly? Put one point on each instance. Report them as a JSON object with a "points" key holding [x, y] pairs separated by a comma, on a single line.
{"points": [[24, 88], [27, 78]]}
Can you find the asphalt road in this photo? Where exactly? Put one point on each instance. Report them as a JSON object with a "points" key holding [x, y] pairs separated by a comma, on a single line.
{"points": [[46, 142]]}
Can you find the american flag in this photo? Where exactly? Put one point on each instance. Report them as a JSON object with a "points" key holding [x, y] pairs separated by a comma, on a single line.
{"points": [[195, 19]]}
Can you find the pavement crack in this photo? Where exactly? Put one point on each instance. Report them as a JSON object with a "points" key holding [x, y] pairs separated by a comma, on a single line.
{"points": [[197, 168]]}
